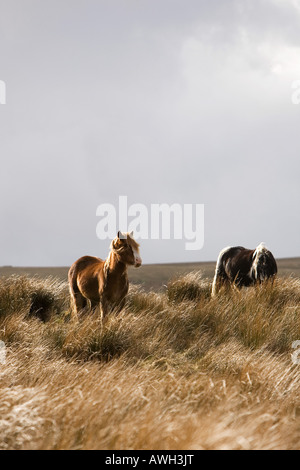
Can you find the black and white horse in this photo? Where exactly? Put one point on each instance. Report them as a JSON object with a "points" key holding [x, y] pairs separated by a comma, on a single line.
{"points": [[241, 267]]}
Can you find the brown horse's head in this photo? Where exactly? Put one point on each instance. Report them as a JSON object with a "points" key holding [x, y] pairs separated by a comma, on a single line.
{"points": [[127, 249]]}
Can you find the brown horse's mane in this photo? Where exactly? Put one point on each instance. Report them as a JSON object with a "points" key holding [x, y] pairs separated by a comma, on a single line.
{"points": [[115, 252]]}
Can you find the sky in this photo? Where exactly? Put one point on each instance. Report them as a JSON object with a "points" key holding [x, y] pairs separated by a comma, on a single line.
{"points": [[169, 102]]}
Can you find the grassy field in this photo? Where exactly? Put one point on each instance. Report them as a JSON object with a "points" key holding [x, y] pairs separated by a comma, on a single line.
{"points": [[174, 370]]}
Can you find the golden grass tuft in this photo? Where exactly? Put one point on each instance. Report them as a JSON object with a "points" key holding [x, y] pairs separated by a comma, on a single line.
{"points": [[174, 370], [40, 298]]}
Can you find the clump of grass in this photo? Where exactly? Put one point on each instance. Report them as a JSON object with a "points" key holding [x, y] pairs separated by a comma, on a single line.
{"points": [[139, 301], [191, 287], [36, 297], [259, 316], [90, 340]]}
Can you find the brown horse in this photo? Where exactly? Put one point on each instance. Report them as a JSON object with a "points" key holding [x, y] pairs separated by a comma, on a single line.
{"points": [[239, 267], [101, 283]]}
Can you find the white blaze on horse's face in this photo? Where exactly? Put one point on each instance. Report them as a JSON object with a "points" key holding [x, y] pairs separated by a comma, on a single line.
{"points": [[137, 258], [136, 254]]}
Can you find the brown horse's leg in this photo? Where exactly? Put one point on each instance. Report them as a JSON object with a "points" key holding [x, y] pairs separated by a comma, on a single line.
{"points": [[78, 302], [95, 306], [103, 308]]}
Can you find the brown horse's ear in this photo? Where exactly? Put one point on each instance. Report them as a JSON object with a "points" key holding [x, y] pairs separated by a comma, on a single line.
{"points": [[121, 235]]}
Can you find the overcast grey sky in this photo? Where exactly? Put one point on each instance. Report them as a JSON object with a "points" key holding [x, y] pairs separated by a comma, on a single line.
{"points": [[163, 101]]}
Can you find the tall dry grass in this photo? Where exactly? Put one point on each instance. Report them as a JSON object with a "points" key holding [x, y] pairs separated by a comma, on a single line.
{"points": [[175, 370]]}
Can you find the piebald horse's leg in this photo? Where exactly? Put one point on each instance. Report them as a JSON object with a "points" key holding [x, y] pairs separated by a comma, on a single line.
{"points": [[220, 283]]}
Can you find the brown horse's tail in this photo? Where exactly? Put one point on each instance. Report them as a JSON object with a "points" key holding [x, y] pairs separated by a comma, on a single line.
{"points": [[73, 287], [72, 278], [78, 301]]}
